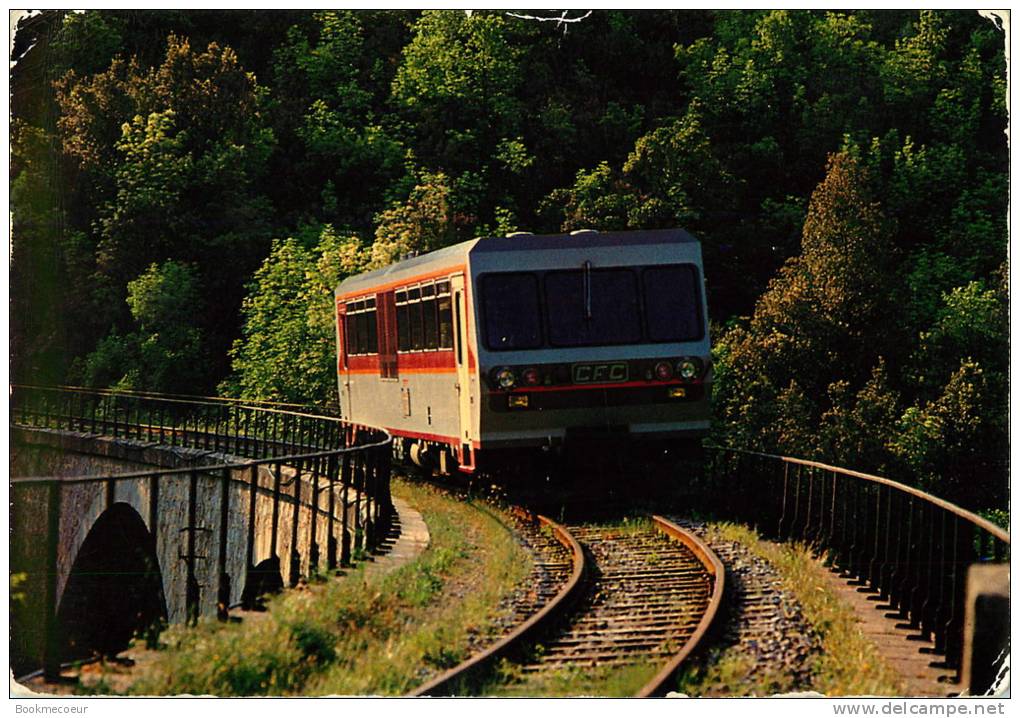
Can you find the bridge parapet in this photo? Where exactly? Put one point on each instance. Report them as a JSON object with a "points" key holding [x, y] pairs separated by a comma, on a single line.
{"points": [[272, 495], [909, 546]]}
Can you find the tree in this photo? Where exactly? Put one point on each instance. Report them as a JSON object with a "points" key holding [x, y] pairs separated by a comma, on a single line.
{"points": [[287, 351], [820, 322], [164, 352], [424, 223], [457, 89], [330, 92], [169, 161]]}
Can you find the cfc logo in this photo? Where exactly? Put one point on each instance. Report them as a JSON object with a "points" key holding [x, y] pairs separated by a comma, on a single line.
{"points": [[600, 373]]}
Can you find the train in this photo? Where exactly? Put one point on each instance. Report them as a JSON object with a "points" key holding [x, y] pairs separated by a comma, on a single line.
{"points": [[497, 348]]}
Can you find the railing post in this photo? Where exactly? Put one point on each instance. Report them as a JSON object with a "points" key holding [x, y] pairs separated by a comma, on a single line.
{"points": [[782, 527], [386, 454], [253, 485], [313, 545], [331, 472], [295, 555], [277, 469], [874, 565], [359, 487], [345, 534], [369, 480]]}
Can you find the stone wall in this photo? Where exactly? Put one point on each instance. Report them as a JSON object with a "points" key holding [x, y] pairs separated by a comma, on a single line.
{"points": [[37, 452]]}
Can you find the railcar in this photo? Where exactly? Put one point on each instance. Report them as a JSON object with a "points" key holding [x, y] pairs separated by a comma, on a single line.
{"points": [[500, 346]]}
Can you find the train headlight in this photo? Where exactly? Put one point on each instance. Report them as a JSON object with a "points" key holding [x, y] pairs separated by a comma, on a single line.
{"points": [[505, 378], [688, 369], [663, 371]]}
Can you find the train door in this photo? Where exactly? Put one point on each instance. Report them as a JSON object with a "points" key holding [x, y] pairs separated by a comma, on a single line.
{"points": [[343, 371], [460, 351], [386, 319]]}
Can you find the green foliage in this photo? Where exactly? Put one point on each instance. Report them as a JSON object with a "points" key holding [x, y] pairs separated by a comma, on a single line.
{"points": [[791, 380], [86, 42], [165, 351], [422, 224], [322, 80], [818, 323], [458, 85], [167, 159], [144, 138], [37, 216], [288, 349]]}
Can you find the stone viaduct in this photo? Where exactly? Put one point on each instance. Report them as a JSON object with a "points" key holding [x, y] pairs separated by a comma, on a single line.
{"points": [[112, 537]]}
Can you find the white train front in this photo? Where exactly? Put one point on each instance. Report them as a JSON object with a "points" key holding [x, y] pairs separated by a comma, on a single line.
{"points": [[481, 351]]}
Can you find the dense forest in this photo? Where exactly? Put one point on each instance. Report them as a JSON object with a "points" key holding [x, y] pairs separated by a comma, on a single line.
{"points": [[187, 188]]}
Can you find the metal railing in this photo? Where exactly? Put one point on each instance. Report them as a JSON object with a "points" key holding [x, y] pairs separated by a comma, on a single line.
{"points": [[228, 426], [322, 487], [910, 547]]}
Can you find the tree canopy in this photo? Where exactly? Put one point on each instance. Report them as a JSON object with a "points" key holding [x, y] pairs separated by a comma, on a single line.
{"points": [[188, 186]]}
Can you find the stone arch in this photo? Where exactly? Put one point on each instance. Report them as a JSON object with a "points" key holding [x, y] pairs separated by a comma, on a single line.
{"points": [[115, 588]]}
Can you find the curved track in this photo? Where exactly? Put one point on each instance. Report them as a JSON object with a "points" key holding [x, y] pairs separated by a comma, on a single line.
{"points": [[449, 682], [653, 591]]}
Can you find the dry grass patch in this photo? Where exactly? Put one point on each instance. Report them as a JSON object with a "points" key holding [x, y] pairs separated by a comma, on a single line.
{"points": [[360, 635]]}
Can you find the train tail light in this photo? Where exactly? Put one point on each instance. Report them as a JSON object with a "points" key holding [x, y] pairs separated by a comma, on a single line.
{"points": [[530, 377], [663, 371]]}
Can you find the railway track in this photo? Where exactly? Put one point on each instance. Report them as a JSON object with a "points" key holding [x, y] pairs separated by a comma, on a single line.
{"points": [[640, 598]]}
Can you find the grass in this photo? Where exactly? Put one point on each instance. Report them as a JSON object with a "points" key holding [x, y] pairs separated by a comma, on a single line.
{"points": [[848, 664], [571, 681], [359, 635]]}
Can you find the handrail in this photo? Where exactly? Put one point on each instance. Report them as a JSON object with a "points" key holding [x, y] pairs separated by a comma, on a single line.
{"points": [[979, 521], [912, 548], [129, 475], [193, 399]]}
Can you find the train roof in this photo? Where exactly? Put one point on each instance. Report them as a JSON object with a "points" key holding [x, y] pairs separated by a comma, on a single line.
{"points": [[457, 253]]}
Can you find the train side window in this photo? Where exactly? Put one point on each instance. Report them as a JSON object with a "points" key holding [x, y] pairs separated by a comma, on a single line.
{"points": [[429, 318], [403, 322], [362, 332], [417, 330], [352, 328], [672, 303], [445, 317], [371, 328]]}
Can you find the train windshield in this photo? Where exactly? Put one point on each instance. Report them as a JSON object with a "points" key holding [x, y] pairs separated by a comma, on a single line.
{"points": [[591, 307], [671, 303], [511, 308]]}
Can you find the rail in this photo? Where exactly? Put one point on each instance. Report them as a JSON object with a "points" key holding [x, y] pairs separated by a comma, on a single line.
{"points": [[910, 547], [329, 479], [447, 683], [660, 683]]}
